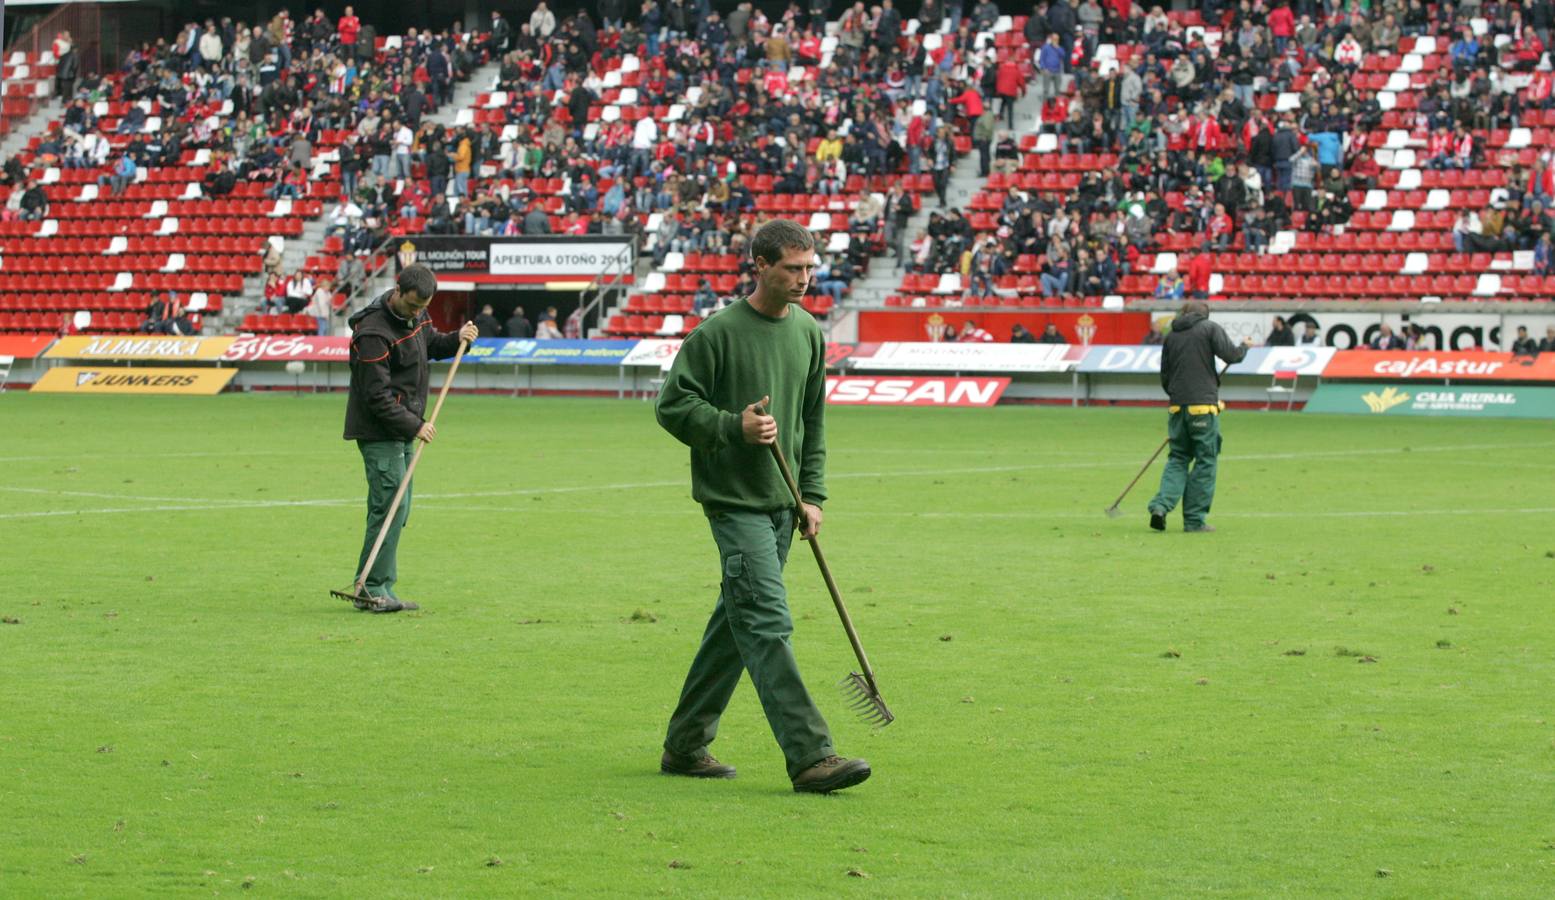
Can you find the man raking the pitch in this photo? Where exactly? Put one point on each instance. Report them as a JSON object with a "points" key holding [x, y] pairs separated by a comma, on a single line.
{"points": [[1191, 379], [391, 341], [751, 376]]}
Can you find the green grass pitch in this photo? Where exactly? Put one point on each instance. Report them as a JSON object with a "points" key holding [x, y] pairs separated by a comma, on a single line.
{"points": [[1346, 691]]}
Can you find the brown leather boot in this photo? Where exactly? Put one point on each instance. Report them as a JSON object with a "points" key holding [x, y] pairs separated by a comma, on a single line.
{"points": [[831, 774], [704, 766]]}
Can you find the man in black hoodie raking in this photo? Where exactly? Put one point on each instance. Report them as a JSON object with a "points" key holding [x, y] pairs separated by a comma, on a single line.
{"points": [[1191, 379], [391, 341]]}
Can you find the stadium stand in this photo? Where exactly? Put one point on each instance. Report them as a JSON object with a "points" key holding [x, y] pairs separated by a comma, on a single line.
{"points": [[171, 173], [1421, 164], [1396, 151]]}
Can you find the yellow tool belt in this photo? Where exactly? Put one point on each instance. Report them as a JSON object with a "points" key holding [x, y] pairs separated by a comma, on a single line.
{"points": [[1199, 409]]}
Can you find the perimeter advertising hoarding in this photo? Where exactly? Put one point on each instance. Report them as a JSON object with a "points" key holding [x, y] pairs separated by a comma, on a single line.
{"points": [[658, 353], [970, 357], [519, 260], [284, 348], [1429, 400], [1077, 326], [1470, 366], [1259, 360], [655, 353], [857, 390], [145, 380], [24, 346], [531, 352], [148, 347], [1347, 331]]}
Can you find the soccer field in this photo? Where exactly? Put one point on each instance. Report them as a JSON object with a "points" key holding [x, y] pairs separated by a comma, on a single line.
{"points": [[1346, 691]]}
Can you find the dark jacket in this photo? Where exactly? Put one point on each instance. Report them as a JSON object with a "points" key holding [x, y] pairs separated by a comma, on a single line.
{"points": [[389, 372], [519, 327], [1189, 374]]}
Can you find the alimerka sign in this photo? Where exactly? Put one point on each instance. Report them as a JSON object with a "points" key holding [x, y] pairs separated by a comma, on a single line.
{"points": [[123, 347], [116, 380], [1467, 365], [853, 390]]}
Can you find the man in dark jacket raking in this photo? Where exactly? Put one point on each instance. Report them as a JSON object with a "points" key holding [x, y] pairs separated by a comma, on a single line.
{"points": [[391, 341], [1191, 379]]}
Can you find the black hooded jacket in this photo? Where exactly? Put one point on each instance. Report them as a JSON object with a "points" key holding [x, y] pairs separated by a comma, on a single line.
{"points": [[389, 372], [1189, 374]]}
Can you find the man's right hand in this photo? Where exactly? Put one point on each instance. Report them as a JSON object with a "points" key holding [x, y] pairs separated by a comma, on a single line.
{"points": [[427, 432], [758, 427]]}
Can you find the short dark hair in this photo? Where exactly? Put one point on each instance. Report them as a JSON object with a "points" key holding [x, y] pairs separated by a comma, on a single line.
{"points": [[419, 279], [777, 236]]}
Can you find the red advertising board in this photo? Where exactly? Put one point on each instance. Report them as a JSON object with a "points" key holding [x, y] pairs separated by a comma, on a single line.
{"points": [[1090, 326], [856, 390], [283, 348], [1388, 365], [24, 346]]}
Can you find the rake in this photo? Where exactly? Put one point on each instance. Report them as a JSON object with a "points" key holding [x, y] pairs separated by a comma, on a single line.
{"points": [[860, 690], [358, 595]]}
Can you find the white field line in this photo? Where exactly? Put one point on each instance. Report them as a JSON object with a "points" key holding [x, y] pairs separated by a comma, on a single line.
{"points": [[174, 454], [1035, 514], [197, 504], [102, 496]]}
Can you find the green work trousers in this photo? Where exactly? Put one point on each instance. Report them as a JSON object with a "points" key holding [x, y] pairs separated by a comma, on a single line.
{"points": [[385, 463], [1190, 467], [749, 631]]}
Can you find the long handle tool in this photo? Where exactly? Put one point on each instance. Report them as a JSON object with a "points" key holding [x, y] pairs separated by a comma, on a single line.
{"points": [[860, 689], [358, 593]]}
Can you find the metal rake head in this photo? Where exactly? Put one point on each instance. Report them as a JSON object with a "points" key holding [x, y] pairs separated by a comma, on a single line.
{"points": [[865, 700]]}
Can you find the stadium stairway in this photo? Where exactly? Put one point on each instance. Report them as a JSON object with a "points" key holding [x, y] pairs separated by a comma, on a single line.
{"points": [[34, 125], [884, 279]]}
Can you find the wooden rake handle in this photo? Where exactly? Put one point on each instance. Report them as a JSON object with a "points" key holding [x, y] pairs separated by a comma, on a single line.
{"points": [[399, 493], [820, 560]]}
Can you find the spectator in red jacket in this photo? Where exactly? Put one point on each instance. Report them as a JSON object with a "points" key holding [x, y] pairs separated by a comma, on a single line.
{"points": [[970, 101], [1282, 24], [349, 27], [1010, 85], [1199, 270]]}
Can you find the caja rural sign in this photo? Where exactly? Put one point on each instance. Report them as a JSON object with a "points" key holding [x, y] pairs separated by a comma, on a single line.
{"points": [[1515, 402], [854, 390], [85, 380], [154, 348]]}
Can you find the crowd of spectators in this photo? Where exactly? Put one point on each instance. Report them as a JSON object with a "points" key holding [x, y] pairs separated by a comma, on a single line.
{"points": [[763, 96], [1187, 148]]}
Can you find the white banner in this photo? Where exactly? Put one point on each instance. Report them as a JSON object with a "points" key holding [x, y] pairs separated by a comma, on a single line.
{"points": [[1301, 360], [971, 357], [1348, 331], [559, 259], [657, 353]]}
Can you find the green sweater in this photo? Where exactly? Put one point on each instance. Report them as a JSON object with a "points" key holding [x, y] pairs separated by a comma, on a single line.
{"points": [[732, 360]]}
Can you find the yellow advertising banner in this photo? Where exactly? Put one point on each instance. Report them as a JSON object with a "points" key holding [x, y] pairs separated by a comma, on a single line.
{"points": [[85, 380], [140, 347]]}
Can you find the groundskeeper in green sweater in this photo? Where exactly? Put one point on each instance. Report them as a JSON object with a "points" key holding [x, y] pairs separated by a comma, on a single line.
{"points": [[754, 374]]}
